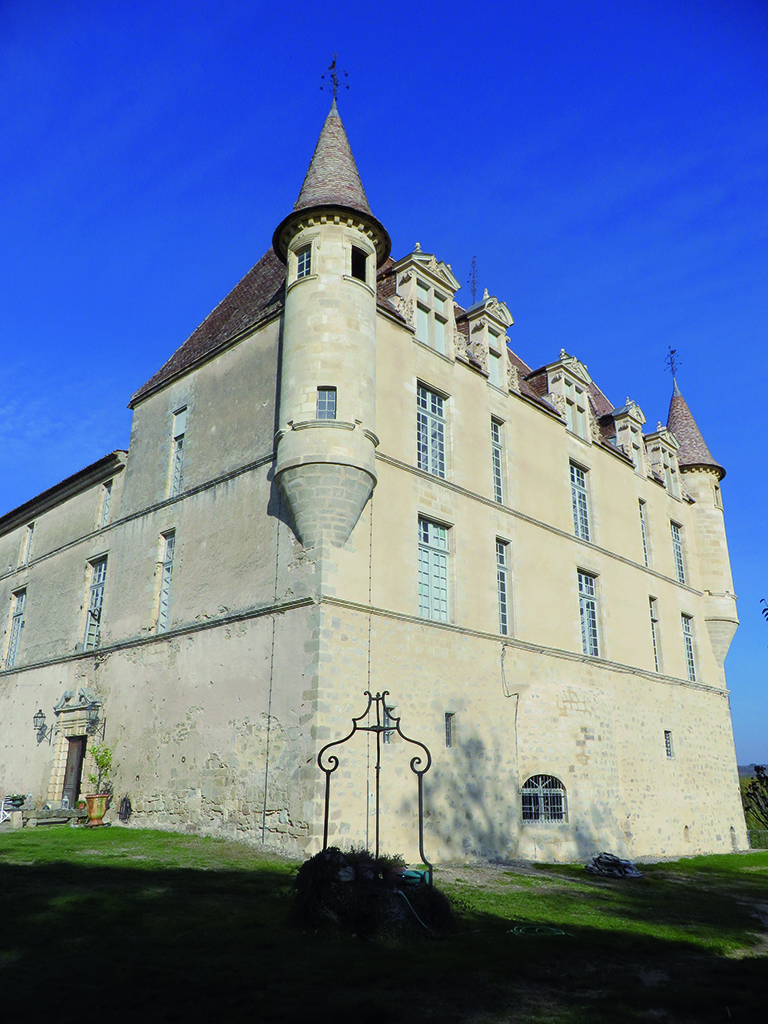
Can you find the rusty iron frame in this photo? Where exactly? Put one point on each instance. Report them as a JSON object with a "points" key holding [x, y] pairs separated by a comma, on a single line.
{"points": [[385, 723]]}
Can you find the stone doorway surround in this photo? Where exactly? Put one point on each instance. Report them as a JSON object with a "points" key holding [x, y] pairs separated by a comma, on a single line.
{"points": [[74, 718]]}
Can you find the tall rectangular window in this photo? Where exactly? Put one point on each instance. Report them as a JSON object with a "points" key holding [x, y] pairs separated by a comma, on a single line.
{"points": [[580, 502], [26, 544], [644, 531], [588, 614], [449, 728], [677, 551], [575, 409], [502, 583], [95, 604], [690, 661], [17, 624], [497, 456], [430, 431], [177, 464], [433, 570], [166, 571], [668, 747], [106, 501], [326, 403], [388, 722], [652, 604], [304, 261], [359, 261]]}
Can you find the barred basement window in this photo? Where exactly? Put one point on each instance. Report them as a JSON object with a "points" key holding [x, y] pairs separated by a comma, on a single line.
{"points": [[169, 545], [497, 455], [503, 585], [95, 604], [544, 799], [668, 743], [17, 624], [690, 661], [304, 262], [677, 551], [449, 716], [580, 502], [430, 431], [433, 571], [326, 403], [588, 614]]}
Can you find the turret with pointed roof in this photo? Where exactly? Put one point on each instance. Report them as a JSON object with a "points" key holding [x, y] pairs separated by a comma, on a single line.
{"points": [[332, 183], [693, 452]]}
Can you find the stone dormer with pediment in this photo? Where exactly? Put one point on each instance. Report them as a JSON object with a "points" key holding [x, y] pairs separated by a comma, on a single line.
{"points": [[661, 450], [568, 383], [424, 297], [485, 342], [628, 426]]}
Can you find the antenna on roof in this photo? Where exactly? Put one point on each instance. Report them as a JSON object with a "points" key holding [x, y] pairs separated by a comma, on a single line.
{"points": [[334, 84], [672, 362], [472, 279]]}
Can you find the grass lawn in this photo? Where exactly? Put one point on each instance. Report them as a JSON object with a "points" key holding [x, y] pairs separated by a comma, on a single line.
{"points": [[151, 926]]}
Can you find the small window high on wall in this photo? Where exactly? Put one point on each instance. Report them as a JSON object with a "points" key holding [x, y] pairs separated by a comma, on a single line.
{"points": [[359, 263]]}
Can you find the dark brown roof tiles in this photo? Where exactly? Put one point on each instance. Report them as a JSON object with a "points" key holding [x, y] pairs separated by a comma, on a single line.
{"points": [[693, 450]]}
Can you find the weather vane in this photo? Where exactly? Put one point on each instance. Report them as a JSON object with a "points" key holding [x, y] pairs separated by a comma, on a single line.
{"points": [[672, 362], [334, 78]]}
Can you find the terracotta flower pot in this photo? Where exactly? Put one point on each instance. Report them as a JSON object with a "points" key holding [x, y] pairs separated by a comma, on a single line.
{"points": [[97, 807]]}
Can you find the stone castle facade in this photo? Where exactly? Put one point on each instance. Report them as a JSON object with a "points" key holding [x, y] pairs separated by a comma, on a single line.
{"points": [[344, 481]]}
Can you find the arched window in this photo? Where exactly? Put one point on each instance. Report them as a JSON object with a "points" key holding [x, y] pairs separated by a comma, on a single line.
{"points": [[544, 799]]}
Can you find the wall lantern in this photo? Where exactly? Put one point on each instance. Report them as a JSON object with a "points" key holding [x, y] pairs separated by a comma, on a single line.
{"points": [[92, 718], [38, 720]]}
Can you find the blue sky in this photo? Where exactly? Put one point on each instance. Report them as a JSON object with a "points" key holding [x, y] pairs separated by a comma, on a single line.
{"points": [[605, 162]]}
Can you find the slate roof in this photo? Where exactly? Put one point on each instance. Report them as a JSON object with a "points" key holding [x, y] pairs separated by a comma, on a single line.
{"points": [[333, 178], [693, 450], [260, 293]]}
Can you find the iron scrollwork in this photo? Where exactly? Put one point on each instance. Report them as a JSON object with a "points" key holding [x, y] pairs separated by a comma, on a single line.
{"points": [[386, 724]]}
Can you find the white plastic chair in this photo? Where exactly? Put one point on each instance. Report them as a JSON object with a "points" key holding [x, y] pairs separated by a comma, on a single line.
{"points": [[5, 810]]}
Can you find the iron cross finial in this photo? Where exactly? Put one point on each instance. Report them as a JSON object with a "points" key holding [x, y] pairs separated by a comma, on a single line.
{"points": [[334, 86]]}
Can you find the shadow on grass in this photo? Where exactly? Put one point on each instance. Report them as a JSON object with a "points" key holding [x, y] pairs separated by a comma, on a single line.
{"points": [[181, 944]]}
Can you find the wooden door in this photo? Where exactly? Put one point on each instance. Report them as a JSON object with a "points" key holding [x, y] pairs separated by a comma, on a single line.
{"points": [[74, 769]]}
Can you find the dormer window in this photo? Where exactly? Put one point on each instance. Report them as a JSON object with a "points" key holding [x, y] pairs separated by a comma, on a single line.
{"points": [[494, 358], [304, 262], [359, 263], [670, 474], [576, 408], [430, 316]]}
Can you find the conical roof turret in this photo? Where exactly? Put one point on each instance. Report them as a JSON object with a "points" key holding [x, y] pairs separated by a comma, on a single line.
{"points": [[332, 182], [693, 451], [333, 178]]}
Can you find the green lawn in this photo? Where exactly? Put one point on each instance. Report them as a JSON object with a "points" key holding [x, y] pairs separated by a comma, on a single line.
{"points": [[150, 926]]}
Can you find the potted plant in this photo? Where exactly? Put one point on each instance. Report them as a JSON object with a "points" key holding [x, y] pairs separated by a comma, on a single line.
{"points": [[101, 782], [16, 800]]}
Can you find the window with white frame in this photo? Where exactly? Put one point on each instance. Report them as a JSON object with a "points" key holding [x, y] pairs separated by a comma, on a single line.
{"points": [[497, 462], [95, 604], [304, 261], [26, 544], [690, 660], [668, 746], [576, 408], [106, 502], [431, 316], [653, 608], [166, 571], [502, 584], [430, 431], [433, 570], [326, 403], [177, 450], [670, 473], [588, 614], [580, 501], [644, 532], [677, 550], [17, 624], [544, 799], [637, 446], [388, 723], [494, 359]]}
